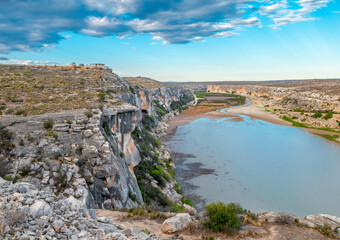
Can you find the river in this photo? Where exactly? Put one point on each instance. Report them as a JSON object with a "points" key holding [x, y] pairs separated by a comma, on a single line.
{"points": [[263, 166]]}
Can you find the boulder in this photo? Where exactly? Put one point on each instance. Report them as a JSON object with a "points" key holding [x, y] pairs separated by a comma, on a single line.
{"points": [[61, 127], [131, 232], [324, 219], [189, 209], [40, 208], [177, 223], [57, 225], [88, 133], [74, 203], [90, 152], [115, 236], [24, 187]]}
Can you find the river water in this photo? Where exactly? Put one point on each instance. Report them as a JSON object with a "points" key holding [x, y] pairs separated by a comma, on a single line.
{"points": [[263, 166]]}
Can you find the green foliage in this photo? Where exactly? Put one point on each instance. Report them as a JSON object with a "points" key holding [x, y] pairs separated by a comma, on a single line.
{"points": [[146, 231], [295, 123], [298, 110], [178, 189], [317, 115], [328, 115], [329, 137], [52, 134], [101, 96], [221, 217], [177, 208], [151, 195], [88, 113], [107, 129], [24, 171], [122, 154], [132, 196], [21, 112], [327, 230], [206, 237], [160, 109], [152, 117], [158, 175], [6, 144], [187, 201], [48, 124]]}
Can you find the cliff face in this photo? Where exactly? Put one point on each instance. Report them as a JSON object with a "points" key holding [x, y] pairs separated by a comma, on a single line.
{"points": [[89, 155], [297, 102], [290, 97]]}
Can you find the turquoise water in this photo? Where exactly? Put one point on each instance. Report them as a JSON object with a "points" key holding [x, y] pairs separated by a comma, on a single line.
{"points": [[263, 166]]}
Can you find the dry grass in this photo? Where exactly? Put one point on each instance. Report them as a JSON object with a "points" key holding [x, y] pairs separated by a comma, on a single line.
{"points": [[10, 219], [145, 82], [30, 90]]}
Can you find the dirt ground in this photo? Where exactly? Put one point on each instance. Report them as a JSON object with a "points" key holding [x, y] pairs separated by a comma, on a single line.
{"points": [[273, 231]]}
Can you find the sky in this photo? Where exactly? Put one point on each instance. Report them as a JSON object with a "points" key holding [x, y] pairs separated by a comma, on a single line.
{"points": [[178, 40]]}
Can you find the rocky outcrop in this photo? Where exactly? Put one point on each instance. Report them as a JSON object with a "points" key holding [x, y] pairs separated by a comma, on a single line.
{"points": [[89, 155], [179, 222], [297, 102]]}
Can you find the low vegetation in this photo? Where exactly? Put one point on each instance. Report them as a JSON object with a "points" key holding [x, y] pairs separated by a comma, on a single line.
{"points": [[327, 231], [32, 90], [157, 168], [221, 217], [303, 125], [329, 137]]}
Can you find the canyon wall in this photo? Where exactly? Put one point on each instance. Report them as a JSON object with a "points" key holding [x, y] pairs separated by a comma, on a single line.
{"points": [[298, 102], [89, 155]]}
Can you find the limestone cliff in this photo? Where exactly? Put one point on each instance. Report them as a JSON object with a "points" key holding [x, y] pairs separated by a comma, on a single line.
{"points": [[298, 100], [87, 154]]}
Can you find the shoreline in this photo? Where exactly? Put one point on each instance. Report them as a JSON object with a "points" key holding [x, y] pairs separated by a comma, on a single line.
{"points": [[258, 112], [254, 111]]}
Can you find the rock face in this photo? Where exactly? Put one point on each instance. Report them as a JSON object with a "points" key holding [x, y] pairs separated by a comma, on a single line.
{"points": [[177, 223], [297, 99], [87, 155], [38, 214]]}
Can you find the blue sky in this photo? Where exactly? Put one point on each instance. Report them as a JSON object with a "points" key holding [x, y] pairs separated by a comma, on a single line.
{"points": [[178, 40]]}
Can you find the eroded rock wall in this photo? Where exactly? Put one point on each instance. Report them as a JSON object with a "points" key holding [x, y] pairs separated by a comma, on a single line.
{"points": [[89, 155]]}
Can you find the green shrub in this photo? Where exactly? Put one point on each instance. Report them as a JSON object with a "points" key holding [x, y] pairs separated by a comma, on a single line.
{"points": [[297, 110], [187, 201], [52, 134], [6, 144], [101, 97], [88, 113], [122, 154], [21, 112], [317, 115], [328, 115], [48, 124], [177, 208], [107, 129], [221, 217], [132, 196], [178, 189]]}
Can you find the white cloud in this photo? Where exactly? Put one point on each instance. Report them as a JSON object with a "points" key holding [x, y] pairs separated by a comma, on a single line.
{"points": [[34, 25]]}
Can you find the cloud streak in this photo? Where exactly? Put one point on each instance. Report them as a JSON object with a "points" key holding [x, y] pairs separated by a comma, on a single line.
{"points": [[35, 25]]}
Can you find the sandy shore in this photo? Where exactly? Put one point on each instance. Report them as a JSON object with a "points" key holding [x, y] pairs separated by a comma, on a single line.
{"points": [[258, 112], [255, 111]]}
